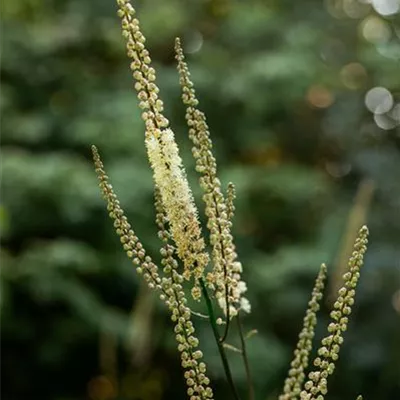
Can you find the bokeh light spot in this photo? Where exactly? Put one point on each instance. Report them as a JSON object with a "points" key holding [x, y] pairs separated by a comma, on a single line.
{"points": [[193, 42], [379, 100], [375, 30], [319, 96], [353, 76], [335, 8], [386, 7], [355, 9], [384, 121]]}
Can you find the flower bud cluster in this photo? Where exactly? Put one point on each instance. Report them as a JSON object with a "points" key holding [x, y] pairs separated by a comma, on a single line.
{"points": [[230, 199], [317, 385], [178, 202], [162, 150], [143, 73], [295, 379], [195, 370], [130, 242], [225, 278]]}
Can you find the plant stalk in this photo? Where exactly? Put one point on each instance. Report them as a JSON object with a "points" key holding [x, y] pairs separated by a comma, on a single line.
{"points": [[250, 387], [218, 340]]}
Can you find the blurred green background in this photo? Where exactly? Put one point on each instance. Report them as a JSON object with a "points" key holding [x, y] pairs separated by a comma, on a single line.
{"points": [[303, 100]]}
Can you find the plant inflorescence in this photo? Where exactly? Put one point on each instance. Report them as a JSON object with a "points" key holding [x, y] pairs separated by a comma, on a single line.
{"points": [[186, 266]]}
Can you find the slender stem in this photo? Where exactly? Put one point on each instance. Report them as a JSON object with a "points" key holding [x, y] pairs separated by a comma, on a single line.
{"points": [[217, 339], [228, 317], [245, 359]]}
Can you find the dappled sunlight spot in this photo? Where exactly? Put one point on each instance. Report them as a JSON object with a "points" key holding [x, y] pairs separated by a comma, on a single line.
{"points": [[319, 96], [101, 388], [375, 30], [386, 7], [379, 100], [353, 76]]}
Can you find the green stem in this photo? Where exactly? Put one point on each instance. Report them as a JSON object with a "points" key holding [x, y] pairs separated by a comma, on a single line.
{"points": [[218, 340], [245, 359], [228, 317]]}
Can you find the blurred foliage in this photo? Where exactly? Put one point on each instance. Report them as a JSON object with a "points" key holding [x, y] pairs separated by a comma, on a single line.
{"points": [[283, 86]]}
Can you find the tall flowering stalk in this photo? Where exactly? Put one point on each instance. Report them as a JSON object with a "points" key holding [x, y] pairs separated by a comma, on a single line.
{"points": [[177, 219], [294, 381], [169, 174], [184, 258], [225, 277], [317, 385], [130, 242]]}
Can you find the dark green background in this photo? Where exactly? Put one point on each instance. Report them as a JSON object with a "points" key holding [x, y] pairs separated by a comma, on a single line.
{"points": [[290, 129]]}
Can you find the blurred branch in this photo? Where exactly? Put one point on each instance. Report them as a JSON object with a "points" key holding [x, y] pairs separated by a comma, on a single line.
{"points": [[108, 355], [138, 343], [356, 218], [249, 379]]}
